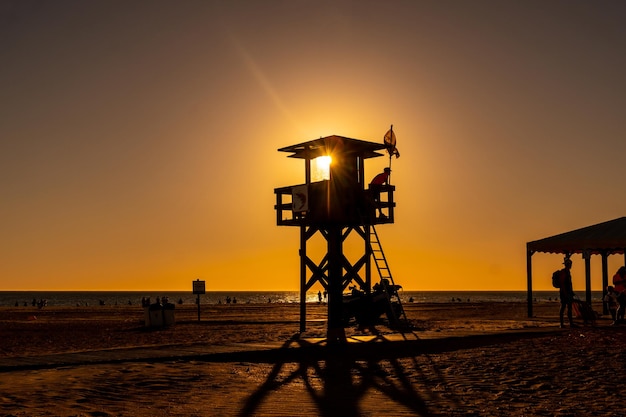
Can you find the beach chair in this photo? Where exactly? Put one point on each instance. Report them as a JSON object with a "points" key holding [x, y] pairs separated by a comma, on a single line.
{"points": [[583, 311]]}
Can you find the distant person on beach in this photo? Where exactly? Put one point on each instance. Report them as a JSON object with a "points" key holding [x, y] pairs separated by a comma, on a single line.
{"points": [[619, 282], [566, 292], [376, 187]]}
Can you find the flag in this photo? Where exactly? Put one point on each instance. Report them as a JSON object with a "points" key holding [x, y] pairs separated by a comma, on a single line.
{"points": [[390, 142]]}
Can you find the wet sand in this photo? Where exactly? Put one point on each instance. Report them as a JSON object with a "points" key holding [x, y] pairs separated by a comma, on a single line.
{"points": [[482, 359]]}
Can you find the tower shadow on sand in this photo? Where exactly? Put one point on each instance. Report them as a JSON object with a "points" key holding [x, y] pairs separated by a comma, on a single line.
{"points": [[338, 379]]}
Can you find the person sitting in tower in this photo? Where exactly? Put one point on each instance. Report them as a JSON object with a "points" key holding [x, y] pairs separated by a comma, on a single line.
{"points": [[376, 187]]}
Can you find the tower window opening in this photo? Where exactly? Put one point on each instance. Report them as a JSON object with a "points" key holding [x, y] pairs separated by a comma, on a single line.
{"points": [[320, 168]]}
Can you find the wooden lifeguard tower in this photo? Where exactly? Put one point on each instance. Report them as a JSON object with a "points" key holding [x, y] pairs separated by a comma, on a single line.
{"points": [[337, 206]]}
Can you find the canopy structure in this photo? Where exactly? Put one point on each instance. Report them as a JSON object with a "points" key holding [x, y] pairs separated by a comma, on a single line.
{"points": [[603, 239]]}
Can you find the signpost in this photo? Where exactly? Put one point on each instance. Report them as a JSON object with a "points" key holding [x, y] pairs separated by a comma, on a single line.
{"points": [[198, 288]]}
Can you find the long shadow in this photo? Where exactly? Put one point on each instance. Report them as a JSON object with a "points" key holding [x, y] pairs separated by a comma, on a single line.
{"points": [[349, 371]]}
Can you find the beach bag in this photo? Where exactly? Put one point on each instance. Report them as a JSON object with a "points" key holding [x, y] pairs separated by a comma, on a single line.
{"points": [[556, 279]]}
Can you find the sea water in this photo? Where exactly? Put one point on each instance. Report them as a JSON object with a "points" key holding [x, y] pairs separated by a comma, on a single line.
{"points": [[110, 298]]}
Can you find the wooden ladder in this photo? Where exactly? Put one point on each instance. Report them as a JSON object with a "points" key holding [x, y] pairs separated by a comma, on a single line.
{"points": [[385, 277]]}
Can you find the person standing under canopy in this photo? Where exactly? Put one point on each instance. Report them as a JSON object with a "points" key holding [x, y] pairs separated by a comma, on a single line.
{"points": [[619, 285], [566, 292]]}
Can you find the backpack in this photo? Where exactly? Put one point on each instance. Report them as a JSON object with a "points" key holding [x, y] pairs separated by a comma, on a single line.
{"points": [[556, 279]]}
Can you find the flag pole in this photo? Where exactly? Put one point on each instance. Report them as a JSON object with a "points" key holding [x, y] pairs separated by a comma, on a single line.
{"points": [[390, 155]]}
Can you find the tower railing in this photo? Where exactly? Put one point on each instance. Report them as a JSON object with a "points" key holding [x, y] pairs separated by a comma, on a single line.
{"points": [[378, 203]]}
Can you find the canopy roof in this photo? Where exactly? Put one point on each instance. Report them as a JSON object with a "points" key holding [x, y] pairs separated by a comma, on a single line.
{"points": [[324, 146], [608, 237]]}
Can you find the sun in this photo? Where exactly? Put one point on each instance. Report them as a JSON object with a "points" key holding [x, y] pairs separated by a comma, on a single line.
{"points": [[320, 169], [323, 162]]}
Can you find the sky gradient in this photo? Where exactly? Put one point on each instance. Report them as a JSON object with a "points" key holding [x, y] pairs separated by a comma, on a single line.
{"points": [[138, 139]]}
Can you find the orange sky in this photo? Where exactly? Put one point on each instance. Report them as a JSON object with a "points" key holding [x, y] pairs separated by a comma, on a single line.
{"points": [[138, 140]]}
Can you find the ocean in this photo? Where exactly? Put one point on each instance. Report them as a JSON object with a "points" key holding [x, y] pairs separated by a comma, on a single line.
{"points": [[94, 298]]}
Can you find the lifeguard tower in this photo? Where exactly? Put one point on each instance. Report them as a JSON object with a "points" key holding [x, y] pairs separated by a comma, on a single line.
{"points": [[336, 206]]}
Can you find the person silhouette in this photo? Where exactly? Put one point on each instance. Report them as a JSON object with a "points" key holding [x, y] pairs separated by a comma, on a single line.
{"points": [[376, 187], [566, 292], [619, 284]]}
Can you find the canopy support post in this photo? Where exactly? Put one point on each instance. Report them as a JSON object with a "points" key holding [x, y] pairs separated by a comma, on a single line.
{"points": [[529, 281], [605, 280], [587, 257]]}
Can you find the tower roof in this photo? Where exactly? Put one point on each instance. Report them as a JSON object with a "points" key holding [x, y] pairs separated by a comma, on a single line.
{"points": [[333, 144]]}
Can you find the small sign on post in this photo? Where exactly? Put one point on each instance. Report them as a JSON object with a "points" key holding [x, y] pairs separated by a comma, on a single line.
{"points": [[198, 288]]}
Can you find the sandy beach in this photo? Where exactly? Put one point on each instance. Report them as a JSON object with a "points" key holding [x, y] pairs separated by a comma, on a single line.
{"points": [[482, 359]]}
